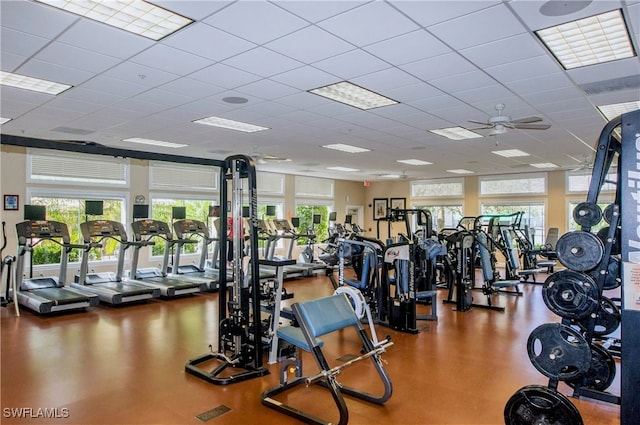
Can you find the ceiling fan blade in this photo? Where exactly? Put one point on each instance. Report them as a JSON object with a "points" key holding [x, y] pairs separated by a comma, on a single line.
{"points": [[480, 122], [532, 126], [526, 120]]}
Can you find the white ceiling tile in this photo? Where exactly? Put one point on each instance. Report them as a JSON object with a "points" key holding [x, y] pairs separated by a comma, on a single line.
{"points": [[617, 96], [140, 106], [192, 88], [104, 39], [259, 22], [64, 102], [208, 42], [540, 97], [461, 82], [75, 57], [224, 76], [351, 64], [86, 94], [34, 18], [20, 43], [439, 66], [114, 86], [511, 49], [140, 74], [305, 78], [407, 94], [196, 10], [303, 100], [483, 96], [163, 97], [409, 47], [267, 89], [371, 23], [385, 80], [171, 60], [315, 11], [10, 62], [527, 68], [434, 103], [434, 11], [270, 108], [52, 72], [263, 62], [309, 44], [480, 27], [606, 71], [544, 83]]}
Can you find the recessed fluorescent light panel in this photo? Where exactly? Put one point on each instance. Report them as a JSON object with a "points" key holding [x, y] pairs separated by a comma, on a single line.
{"points": [[346, 148], [136, 16], [414, 162], [456, 133], [230, 124], [544, 165], [615, 109], [460, 171], [353, 95], [596, 39], [4, 120], [154, 142], [510, 153], [390, 176], [345, 169], [29, 83]]}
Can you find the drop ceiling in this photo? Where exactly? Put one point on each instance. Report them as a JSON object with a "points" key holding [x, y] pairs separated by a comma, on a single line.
{"points": [[445, 62]]}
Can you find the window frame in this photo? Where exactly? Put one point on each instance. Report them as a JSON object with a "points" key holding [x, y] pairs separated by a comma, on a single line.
{"points": [[520, 176]]}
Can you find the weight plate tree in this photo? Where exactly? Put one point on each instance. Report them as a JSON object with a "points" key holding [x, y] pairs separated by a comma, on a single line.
{"points": [[558, 351]]}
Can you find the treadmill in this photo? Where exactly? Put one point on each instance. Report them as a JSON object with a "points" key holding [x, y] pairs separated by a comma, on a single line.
{"points": [[170, 285], [310, 269], [46, 295], [187, 231], [110, 287]]}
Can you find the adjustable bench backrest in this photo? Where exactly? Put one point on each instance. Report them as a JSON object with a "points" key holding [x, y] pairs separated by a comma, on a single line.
{"points": [[485, 257]]}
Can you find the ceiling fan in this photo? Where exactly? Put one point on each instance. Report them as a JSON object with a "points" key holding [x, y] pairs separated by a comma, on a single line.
{"points": [[584, 164], [499, 123], [263, 158]]}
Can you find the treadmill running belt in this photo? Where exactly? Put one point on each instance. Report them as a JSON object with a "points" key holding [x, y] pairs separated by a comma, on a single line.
{"points": [[59, 296]]}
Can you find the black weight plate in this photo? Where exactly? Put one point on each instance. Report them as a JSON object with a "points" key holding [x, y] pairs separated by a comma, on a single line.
{"points": [[580, 251], [607, 317], [603, 234], [538, 405], [587, 214], [607, 214], [613, 278], [570, 294], [601, 373], [558, 351]]}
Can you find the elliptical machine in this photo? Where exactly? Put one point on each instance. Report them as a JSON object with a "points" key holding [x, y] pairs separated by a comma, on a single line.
{"points": [[10, 281]]}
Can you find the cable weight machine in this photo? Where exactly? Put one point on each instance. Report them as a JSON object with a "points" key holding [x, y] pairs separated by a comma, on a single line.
{"points": [[239, 353]]}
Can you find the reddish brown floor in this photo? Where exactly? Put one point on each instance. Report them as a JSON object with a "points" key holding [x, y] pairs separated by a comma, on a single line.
{"points": [[126, 366]]}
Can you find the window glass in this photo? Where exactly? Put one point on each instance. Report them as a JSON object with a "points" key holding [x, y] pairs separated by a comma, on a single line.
{"points": [[513, 184], [437, 188], [533, 217]]}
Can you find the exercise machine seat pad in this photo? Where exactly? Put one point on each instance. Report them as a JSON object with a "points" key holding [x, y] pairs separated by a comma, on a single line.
{"points": [[294, 335]]}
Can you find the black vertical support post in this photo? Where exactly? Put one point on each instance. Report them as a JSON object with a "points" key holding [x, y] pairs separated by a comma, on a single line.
{"points": [[630, 241]]}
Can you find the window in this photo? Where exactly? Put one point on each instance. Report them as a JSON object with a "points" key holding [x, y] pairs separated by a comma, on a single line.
{"points": [[69, 209], [533, 217], [66, 168], [305, 212], [579, 181], [437, 188], [183, 177], [196, 209], [312, 187], [269, 183], [443, 216], [529, 184]]}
